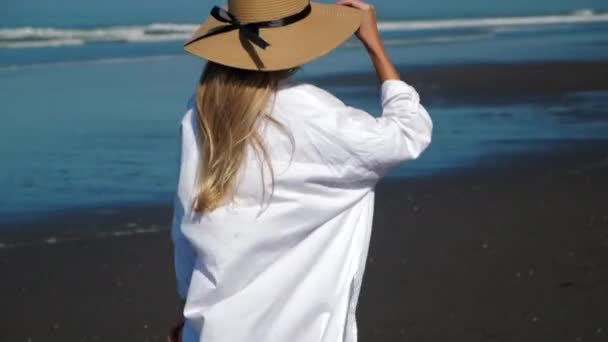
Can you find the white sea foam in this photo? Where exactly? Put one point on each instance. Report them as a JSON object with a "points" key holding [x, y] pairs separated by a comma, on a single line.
{"points": [[110, 60], [54, 240], [51, 240], [42, 43], [439, 39], [25, 37], [22, 37], [577, 17]]}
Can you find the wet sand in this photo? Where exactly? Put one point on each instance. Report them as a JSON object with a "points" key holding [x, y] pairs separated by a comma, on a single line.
{"points": [[493, 255], [509, 250], [489, 83], [499, 255]]}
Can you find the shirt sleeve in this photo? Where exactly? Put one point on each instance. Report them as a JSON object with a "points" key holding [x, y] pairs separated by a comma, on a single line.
{"points": [[183, 252], [401, 133]]}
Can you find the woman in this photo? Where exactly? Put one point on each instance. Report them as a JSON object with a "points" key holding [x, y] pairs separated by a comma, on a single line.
{"points": [[286, 267]]}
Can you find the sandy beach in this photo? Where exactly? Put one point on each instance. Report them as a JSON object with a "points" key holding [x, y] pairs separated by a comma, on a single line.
{"points": [[514, 249]]}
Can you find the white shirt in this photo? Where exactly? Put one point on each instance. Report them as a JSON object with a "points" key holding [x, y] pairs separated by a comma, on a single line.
{"points": [[291, 271]]}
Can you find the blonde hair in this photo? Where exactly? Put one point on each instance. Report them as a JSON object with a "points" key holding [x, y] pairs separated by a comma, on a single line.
{"points": [[230, 103]]}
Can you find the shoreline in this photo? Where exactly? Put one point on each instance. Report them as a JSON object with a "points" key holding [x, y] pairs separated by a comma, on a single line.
{"points": [[142, 218], [441, 86]]}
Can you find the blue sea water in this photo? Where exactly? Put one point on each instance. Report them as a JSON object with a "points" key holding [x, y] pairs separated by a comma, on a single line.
{"points": [[91, 93]]}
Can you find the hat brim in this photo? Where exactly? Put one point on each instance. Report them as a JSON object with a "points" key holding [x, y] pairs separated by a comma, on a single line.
{"points": [[325, 28]]}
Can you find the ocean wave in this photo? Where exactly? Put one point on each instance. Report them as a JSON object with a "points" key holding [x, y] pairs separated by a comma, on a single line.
{"points": [[23, 37], [576, 17], [27, 37], [108, 60], [439, 39]]}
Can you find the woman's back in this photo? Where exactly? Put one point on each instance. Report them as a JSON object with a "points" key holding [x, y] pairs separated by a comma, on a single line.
{"points": [[291, 270]]}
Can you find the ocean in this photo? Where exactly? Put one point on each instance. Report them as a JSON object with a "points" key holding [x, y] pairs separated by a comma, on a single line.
{"points": [[91, 93]]}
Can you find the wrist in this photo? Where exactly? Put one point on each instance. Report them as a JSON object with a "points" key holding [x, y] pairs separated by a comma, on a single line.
{"points": [[383, 65], [375, 48]]}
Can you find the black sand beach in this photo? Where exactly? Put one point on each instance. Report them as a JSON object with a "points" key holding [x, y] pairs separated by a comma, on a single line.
{"points": [[490, 83], [510, 250]]}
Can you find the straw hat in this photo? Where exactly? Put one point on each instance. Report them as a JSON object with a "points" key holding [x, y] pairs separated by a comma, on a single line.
{"points": [[272, 34]]}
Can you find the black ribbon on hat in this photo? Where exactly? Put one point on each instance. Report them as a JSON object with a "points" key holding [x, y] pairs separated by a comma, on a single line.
{"points": [[250, 30]]}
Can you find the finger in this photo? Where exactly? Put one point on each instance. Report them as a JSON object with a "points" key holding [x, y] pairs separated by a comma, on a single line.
{"points": [[354, 3], [174, 333]]}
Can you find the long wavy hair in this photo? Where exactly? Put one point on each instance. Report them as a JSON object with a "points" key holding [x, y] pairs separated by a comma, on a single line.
{"points": [[231, 102]]}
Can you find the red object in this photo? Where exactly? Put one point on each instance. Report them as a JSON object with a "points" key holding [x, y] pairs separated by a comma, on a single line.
{"points": [[175, 335]]}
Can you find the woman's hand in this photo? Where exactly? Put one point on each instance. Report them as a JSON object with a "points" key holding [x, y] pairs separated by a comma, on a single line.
{"points": [[369, 36], [368, 31], [175, 334]]}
